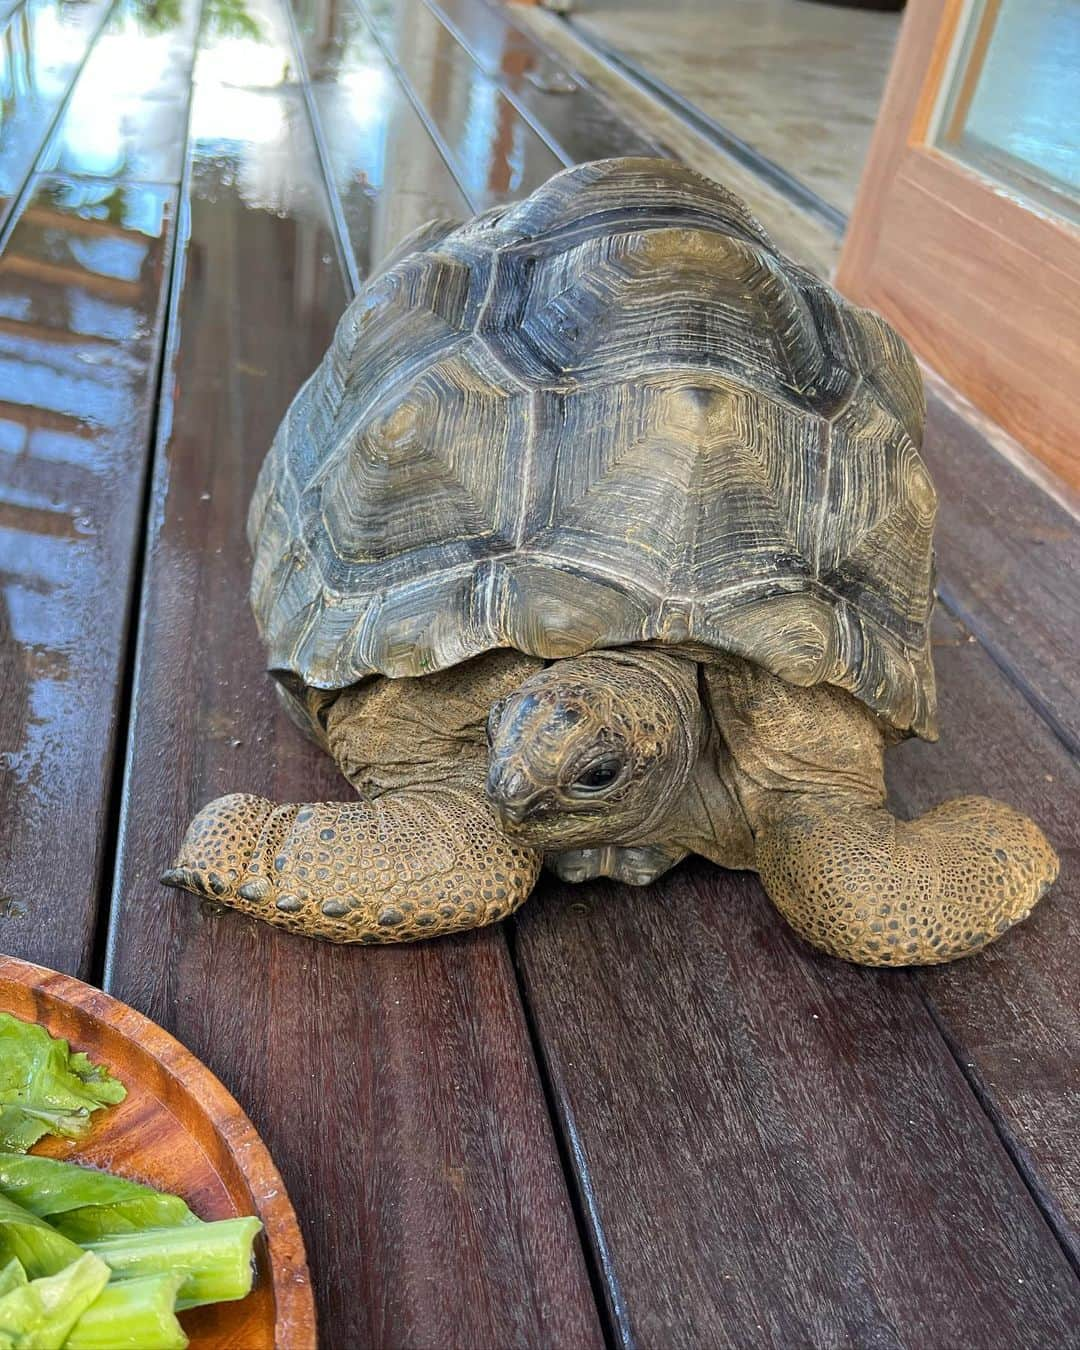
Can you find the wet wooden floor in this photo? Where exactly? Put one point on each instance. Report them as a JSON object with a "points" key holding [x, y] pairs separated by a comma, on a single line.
{"points": [[636, 1118]]}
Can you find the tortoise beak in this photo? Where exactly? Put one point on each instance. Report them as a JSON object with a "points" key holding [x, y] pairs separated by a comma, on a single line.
{"points": [[513, 814], [512, 795]]}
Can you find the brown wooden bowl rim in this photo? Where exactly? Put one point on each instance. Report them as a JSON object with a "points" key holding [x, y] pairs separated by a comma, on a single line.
{"points": [[294, 1303]]}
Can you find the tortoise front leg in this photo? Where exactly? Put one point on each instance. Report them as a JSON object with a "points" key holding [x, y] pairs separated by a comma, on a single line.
{"points": [[845, 873], [410, 864], [861, 885]]}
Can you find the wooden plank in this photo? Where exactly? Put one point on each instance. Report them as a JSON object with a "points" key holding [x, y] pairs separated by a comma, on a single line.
{"points": [[1009, 558], [773, 1147], [42, 46], [576, 122], [1011, 1013], [396, 1087], [127, 115], [496, 156], [83, 282], [388, 173], [248, 48], [75, 419]]}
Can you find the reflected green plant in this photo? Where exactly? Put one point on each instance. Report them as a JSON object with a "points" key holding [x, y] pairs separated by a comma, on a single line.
{"points": [[229, 18], [221, 18], [156, 16], [94, 201]]}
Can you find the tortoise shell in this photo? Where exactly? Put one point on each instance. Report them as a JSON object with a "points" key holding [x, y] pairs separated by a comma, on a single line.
{"points": [[611, 413]]}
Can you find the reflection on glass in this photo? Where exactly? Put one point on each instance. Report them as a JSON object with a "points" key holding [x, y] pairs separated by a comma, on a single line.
{"points": [[1012, 106]]}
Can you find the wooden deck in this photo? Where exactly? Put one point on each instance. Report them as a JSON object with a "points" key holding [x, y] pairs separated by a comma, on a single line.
{"points": [[629, 1118]]}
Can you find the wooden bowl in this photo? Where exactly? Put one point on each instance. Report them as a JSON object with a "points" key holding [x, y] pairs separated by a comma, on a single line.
{"points": [[180, 1131]]}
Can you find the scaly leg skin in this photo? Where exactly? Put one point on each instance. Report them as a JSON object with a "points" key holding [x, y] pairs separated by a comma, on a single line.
{"points": [[866, 887], [410, 864]]}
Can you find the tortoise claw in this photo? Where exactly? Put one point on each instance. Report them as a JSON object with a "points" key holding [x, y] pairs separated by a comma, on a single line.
{"points": [[183, 879], [255, 890], [222, 847]]}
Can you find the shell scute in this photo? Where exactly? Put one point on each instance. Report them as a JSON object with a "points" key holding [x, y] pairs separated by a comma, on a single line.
{"points": [[406, 476], [595, 198], [620, 304]]}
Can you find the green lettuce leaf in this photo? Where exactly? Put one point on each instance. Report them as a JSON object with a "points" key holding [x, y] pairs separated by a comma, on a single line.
{"points": [[39, 1315], [44, 1088], [11, 1276], [85, 1204], [38, 1247]]}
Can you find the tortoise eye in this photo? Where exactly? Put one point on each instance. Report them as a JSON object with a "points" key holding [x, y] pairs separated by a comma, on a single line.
{"points": [[599, 775]]}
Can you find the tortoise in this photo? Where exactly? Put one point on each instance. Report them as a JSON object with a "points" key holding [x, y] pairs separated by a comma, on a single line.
{"points": [[601, 537]]}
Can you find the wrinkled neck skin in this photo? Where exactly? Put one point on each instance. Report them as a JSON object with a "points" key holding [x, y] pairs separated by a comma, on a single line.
{"points": [[613, 747]]}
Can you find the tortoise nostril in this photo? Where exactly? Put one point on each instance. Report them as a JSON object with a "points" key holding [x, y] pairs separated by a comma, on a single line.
{"points": [[512, 795], [505, 788], [494, 718], [503, 784]]}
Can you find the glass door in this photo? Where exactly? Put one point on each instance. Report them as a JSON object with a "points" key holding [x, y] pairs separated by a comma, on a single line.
{"points": [[966, 227], [1010, 107]]}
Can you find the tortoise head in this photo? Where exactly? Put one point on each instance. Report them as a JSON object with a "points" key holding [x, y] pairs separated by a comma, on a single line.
{"points": [[594, 749]]}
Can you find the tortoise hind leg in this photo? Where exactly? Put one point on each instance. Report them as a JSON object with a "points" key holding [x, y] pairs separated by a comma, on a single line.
{"points": [[411, 864]]}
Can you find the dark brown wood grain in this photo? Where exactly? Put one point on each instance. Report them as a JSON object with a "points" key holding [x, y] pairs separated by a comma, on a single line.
{"points": [[1011, 1013], [79, 350], [1009, 558], [179, 1131], [83, 278], [396, 1089], [572, 118], [773, 1147], [496, 155], [388, 173]]}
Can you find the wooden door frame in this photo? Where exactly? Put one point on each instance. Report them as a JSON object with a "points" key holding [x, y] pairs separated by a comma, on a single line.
{"points": [[984, 285]]}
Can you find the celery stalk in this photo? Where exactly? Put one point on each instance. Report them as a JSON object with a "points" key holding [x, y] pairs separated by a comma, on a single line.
{"points": [[40, 1314], [131, 1315], [214, 1258]]}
